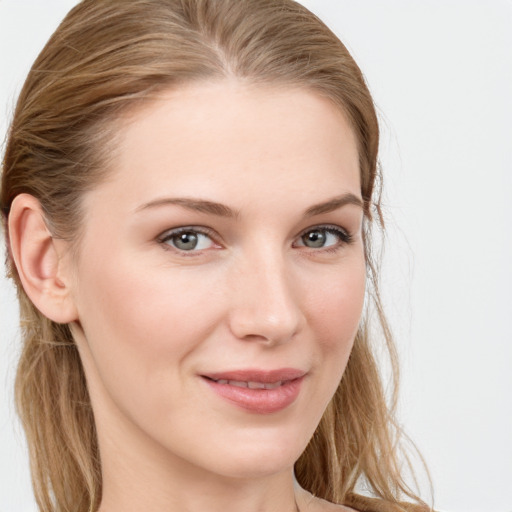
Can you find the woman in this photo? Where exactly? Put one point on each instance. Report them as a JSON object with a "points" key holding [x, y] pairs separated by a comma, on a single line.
{"points": [[188, 190]]}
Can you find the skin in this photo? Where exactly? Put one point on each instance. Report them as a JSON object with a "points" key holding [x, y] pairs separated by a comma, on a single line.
{"points": [[150, 319]]}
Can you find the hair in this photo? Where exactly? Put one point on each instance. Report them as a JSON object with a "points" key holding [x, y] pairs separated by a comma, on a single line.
{"points": [[106, 57]]}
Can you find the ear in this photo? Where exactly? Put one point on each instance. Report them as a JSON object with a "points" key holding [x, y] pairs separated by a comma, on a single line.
{"points": [[40, 260]]}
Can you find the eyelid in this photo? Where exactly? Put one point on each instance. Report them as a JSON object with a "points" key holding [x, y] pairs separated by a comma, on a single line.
{"points": [[202, 230], [345, 236]]}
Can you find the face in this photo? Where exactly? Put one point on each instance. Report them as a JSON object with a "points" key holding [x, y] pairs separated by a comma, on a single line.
{"points": [[221, 277]]}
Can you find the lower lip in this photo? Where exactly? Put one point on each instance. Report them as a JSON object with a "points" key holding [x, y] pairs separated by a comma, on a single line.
{"points": [[260, 401]]}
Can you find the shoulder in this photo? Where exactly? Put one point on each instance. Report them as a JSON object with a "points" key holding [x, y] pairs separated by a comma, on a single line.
{"points": [[309, 503], [365, 504], [357, 503]]}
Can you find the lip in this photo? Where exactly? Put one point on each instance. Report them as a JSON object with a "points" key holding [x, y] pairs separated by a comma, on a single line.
{"points": [[259, 401]]}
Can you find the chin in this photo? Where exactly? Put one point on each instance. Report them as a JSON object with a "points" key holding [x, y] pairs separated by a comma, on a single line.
{"points": [[255, 467], [260, 457]]}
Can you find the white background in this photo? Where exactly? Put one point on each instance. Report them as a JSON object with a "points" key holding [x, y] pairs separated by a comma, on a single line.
{"points": [[441, 75]]}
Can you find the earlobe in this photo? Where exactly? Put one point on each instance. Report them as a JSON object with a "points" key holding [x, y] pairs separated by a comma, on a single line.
{"points": [[39, 260]]}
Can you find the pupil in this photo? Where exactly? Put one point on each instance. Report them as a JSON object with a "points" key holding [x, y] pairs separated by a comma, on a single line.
{"points": [[186, 241], [314, 239]]}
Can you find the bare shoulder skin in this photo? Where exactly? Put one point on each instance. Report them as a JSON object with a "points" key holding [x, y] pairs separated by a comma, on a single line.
{"points": [[310, 503]]}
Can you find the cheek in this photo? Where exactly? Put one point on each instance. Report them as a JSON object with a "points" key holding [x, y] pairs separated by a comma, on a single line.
{"points": [[140, 323], [334, 313], [335, 309]]}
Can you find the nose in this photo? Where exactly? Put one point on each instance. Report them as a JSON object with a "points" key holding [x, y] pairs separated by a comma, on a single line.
{"points": [[264, 304]]}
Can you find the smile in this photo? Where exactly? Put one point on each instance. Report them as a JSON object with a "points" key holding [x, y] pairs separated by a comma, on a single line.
{"points": [[250, 384], [255, 391]]}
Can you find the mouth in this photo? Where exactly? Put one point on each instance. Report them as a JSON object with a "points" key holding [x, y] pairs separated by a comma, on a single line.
{"points": [[249, 384], [257, 391]]}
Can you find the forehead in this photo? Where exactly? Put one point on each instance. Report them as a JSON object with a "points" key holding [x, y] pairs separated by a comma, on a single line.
{"points": [[231, 140]]}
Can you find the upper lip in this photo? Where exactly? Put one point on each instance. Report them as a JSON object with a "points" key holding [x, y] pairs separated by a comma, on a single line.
{"points": [[257, 375]]}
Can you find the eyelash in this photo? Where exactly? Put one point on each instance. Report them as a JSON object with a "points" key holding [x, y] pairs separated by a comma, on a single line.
{"points": [[344, 237], [172, 233]]}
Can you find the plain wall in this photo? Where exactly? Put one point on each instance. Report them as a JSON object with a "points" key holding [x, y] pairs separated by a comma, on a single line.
{"points": [[441, 75]]}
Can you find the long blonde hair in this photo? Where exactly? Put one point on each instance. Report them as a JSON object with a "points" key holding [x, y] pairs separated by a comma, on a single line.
{"points": [[106, 56]]}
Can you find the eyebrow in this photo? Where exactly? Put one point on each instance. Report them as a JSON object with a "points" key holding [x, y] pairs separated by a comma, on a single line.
{"points": [[221, 210], [198, 205], [334, 204]]}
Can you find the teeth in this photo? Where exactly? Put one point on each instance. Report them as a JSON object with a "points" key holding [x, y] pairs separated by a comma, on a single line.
{"points": [[256, 385], [238, 383], [273, 385], [250, 384]]}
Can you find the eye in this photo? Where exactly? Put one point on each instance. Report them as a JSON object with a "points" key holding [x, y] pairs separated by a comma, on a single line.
{"points": [[322, 237], [187, 239]]}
